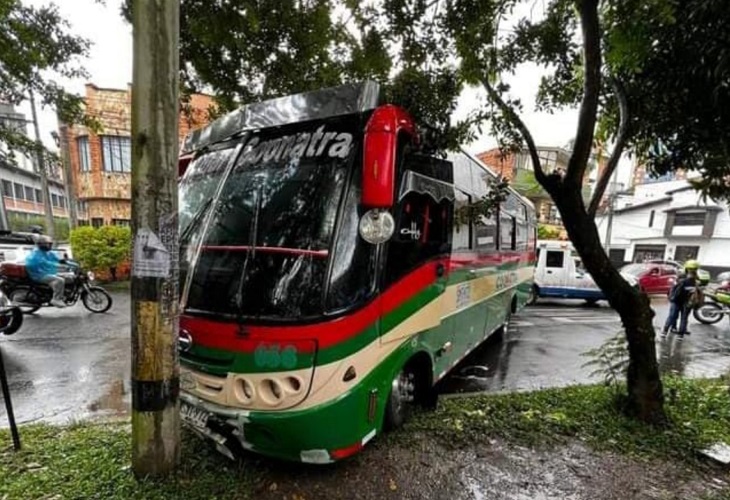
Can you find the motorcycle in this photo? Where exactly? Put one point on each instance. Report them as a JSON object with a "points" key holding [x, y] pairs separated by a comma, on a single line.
{"points": [[11, 317], [716, 305], [29, 296]]}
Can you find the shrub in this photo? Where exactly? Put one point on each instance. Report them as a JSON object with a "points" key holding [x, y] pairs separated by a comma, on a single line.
{"points": [[102, 249]]}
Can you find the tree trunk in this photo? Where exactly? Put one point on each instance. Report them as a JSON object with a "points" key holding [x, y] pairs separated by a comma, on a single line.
{"points": [[645, 392]]}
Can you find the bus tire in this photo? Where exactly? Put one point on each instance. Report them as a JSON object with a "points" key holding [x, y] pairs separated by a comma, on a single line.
{"points": [[401, 400], [411, 387]]}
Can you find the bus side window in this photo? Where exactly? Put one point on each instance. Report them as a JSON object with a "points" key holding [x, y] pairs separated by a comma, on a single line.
{"points": [[461, 238], [422, 232], [522, 235], [506, 232], [486, 234]]}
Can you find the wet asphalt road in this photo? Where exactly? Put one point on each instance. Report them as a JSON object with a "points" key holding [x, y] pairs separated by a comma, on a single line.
{"points": [[69, 364], [546, 345], [66, 365]]}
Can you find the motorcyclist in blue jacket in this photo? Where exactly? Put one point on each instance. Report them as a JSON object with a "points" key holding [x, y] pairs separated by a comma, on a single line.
{"points": [[42, 266]]}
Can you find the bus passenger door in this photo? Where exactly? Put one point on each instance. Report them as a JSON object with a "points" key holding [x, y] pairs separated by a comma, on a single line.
{"points": [[417, 258]]}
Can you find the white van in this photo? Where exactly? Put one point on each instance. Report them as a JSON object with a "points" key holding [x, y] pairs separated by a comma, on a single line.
{"points": [[559, 273]]}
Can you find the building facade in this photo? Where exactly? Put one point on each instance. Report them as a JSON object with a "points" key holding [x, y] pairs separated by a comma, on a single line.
{"points": [[101, 161], [669, 221], [22, 193], [641, 175], [517, 168]]}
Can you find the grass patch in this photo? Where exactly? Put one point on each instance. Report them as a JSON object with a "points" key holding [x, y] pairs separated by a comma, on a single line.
{"points": [[698, 410], [93, 461]]}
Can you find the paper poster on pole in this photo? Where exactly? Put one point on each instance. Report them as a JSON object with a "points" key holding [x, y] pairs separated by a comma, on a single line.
{"points": [[151, 258]]}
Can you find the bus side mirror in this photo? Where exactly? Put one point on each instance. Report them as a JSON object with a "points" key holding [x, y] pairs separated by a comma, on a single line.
{"points": [[379, 154]]}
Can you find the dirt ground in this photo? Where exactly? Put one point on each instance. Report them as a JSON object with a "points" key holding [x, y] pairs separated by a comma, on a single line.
{"points": [[491, 471]]}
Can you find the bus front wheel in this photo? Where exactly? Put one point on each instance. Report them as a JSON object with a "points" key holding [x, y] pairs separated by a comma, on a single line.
{"points": [[402, 398]]}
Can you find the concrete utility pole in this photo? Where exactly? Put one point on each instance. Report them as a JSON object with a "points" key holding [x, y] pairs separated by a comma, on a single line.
{"points": [[41, 165], [155, 364], [63, 132]]}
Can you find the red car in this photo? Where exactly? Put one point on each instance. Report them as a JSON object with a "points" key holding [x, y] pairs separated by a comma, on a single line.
{"points": [[653, 278]]}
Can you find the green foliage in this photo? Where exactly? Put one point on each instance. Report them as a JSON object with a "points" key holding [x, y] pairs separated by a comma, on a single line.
{"points": [[670, 57], [35, 46], [23, 223], [547, 233], [101, 248], [698, 412], [269, 48], [610, 361], [526, 184]]}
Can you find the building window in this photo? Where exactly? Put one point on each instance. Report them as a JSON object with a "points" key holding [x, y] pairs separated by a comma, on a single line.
{"points": [[62, 201], [121, 222], [38, 196], [685, 252], [84, 155], [651, 218], [29, 193], [689, 219], [83, 222], [54, 199], [97, 222], [548, 159], [19, 191], [116, 153], [8, 189]]}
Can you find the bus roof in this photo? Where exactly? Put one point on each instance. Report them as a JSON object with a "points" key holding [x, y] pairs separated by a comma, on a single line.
{"points": [[512, 191], [317, 104]]}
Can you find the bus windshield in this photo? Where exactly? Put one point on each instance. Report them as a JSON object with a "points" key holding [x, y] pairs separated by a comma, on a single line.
{"points": [[266, 249]]}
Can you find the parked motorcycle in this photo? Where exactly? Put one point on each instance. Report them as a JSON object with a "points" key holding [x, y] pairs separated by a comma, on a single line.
{"points": [[716, 305], [30, 296]]}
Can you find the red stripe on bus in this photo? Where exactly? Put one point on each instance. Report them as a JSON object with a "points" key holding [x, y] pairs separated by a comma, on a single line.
{"points": [[229, 336], [244, 248]]}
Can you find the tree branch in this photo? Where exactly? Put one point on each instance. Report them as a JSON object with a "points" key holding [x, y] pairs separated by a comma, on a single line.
{"points": [[510, 114], [591, 89], [618, 148]]}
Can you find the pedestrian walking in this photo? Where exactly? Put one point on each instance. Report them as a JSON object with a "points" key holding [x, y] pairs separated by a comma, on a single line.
{"points": [[683, 296]]}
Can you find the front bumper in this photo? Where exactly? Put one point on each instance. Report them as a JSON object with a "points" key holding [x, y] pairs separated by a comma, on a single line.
{"points": [[322, 434]]}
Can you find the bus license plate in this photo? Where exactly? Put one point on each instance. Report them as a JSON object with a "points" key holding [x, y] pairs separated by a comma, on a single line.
{"points": [[193, 416]]}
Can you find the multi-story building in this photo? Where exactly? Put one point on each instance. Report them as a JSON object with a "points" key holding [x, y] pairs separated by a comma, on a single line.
{"points": [[101, 161], [668, 220], [517, 168], [22, 194], [641, 175]]}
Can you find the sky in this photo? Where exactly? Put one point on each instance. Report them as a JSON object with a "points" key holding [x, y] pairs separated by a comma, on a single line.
{"points": [[110, 65]]}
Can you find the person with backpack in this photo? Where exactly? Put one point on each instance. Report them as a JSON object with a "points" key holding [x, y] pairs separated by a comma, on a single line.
{"points": [[683, 296]]}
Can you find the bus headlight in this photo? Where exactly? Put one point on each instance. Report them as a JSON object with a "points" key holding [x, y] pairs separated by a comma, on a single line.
{"points": [[377, 226]]}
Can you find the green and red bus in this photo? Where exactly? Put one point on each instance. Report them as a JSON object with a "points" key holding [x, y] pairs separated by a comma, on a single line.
{"points": [[328, 277]]}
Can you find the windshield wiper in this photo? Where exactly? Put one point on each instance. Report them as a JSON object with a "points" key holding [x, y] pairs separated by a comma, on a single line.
{"points": [[251, 251]]}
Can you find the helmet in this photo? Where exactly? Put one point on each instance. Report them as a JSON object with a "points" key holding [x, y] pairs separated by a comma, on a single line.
{"points": [[44, 243], [691, 265]]}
